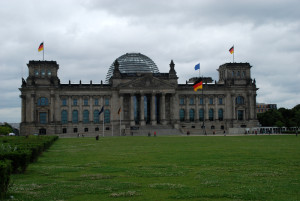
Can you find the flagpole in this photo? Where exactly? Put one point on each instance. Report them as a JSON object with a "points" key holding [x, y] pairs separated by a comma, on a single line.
{"points": [[203, 125], [43, 50], [103, 127], [120, 122], [233, 53]]}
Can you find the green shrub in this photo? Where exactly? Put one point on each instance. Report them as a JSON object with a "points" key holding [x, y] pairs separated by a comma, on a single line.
{"points": [[5, 171], [19, 160]]}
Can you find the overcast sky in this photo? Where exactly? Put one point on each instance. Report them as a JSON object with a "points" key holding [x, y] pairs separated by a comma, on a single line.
{"points": [[85, 37]]}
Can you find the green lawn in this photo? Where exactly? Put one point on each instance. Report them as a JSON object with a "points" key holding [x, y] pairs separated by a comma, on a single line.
{"points": [[164, 168]]}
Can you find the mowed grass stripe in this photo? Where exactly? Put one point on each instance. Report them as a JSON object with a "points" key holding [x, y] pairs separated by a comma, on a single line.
{"points": [[164, 168]]}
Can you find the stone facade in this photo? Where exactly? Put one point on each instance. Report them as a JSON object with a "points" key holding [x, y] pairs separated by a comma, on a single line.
{"points": [[132, 101]]}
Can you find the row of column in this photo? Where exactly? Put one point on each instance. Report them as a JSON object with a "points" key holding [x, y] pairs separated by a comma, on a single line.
{"points": [[162, 110]]}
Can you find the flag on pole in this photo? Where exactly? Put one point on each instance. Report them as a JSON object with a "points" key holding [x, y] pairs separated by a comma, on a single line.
{"points": [[231, 50], [102, 109], [41, 47], [197, 66], [119, 111], [198, 84]]}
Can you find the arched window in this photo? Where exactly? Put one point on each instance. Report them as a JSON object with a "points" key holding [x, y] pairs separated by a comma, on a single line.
{"points": [[86, 116], [106, 116], [201, 115], [239, 100], [192, 114], [211, 114], [220, 114], [75, 116], [64, 117], [43, 101], [181, 114], [96, 116]]}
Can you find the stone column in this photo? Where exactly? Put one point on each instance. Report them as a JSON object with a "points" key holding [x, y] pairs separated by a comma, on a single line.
{"points": [[69, 109], [101, 117], [153, 116], [187, 109], [163, 109], [23, 108], [32, 118], [206, 108], [197, 108], [233, 107], [132, 123], [52, 102], [142, 116], [216, 108], [122, 108], [80, 118], [91, 109]]}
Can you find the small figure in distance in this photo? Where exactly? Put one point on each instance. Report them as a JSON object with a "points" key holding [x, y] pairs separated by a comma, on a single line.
{"points": [[188, 133], [97, 137], [149, 134], [154, 133]]}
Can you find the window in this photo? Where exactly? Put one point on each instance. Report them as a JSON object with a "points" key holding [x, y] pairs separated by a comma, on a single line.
{"points": [[233, 74], [49, 73], [96, 116], [106, 101], [192, 101], [43, 72], [181, 101], [86, 130], [64, 102], [64, 117], [192, 114], [106, 116], [43, 101], [201, 101], [75, 130], [74, 101], [239, 100], [211, 101], [75, 116], [96, 101], [220, 113], [240, 115], [243, 74], [220, 101], [238, 74], [86, 116], [201, 115], [43, 117], [181, 114], [211, 114], [36, 73], [97, 129], [64, 130], [212, 127], [222, 127], [85, 101]]}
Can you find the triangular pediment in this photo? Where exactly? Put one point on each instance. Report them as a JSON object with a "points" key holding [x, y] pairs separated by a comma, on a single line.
{"points": [[147, 82]]}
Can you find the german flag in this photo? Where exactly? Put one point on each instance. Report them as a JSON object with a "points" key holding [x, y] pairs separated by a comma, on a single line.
{"points": [[231, 50], [198, 84], [41, 47]]}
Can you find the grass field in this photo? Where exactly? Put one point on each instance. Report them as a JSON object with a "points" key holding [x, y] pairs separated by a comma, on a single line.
{"points": [[164, 168]]}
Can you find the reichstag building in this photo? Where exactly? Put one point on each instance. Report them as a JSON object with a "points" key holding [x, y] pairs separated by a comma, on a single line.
{"points": [[135, 99]]}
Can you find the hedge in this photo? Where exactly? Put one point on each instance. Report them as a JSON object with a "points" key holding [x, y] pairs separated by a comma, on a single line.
{"points": [[5, 172]]}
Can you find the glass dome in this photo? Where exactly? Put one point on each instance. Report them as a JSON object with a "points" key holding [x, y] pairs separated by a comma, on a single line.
{"points": [[133, 63]]}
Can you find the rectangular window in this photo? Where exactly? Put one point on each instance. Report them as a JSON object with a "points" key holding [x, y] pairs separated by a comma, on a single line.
{"points": [[86, 102], [201, 101], [240, 115], [43, 117], [211, 101], [220, 101], [64, 102], [192, 101], [106, 101], [181, 101], [96, 101], [74, 101], [75, 130]]}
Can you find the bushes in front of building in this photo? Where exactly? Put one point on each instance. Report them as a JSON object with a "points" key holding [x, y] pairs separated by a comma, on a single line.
{"points": [[5, 172], [17, 152]]}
